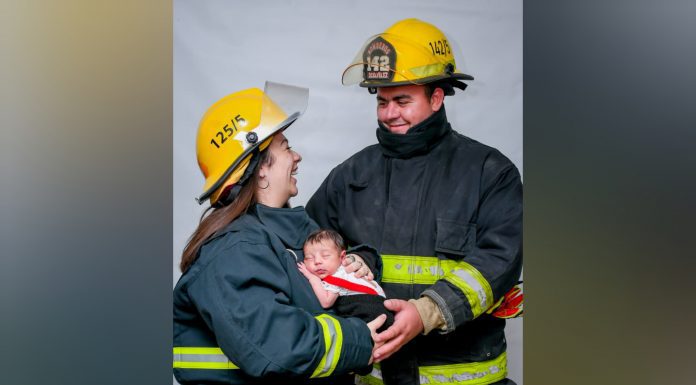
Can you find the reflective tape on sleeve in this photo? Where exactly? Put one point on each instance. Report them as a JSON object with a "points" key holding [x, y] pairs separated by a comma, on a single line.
{"points": [[408, 269], [333, 342], [476, 289], [472, 373], [201, 358]]}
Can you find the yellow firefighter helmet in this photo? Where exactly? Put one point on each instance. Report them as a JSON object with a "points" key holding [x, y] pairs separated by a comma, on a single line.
{"points": [[237, 126], [409, 52]]}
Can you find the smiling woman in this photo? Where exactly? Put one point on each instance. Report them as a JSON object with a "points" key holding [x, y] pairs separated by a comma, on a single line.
{"points": [[243, 313], [277, 176]]}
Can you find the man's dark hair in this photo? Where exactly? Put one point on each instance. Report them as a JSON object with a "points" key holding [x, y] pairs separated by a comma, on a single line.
{"points": [[446, 88], [325, 234]]}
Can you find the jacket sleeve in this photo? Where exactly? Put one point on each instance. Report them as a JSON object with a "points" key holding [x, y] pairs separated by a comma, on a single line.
{"points": [[322, 207], [494, 263], [244, 296]]}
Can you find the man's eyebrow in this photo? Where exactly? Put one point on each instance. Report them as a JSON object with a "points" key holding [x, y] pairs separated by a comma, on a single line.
{"points": [[395, 98]]}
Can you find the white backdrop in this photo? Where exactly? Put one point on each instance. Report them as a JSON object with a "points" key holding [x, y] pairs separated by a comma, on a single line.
{"points": [[222, 47]]}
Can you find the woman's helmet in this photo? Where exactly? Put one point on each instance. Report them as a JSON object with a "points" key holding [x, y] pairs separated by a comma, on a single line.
{"points": [[238, 126], [409, 52]]}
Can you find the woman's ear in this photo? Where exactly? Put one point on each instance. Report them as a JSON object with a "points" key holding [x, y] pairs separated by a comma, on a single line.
{"points": [[262, 171]]}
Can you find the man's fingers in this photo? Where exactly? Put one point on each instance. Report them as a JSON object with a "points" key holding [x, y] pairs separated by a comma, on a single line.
{"points": [[394, 304], [386, 350], [388, 334]]}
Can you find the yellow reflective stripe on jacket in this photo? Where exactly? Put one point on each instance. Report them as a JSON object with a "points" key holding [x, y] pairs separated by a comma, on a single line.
{"points": [[333, 342], [472, 373], [414, 269], [473, 285], [201, 358], [373, 378], [407, 269]]}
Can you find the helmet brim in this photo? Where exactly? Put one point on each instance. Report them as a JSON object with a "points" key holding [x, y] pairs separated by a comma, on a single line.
{"points": [[374, 84]]}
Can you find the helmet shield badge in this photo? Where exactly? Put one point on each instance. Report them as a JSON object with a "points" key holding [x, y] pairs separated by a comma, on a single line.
{"points": [[379, 59]]}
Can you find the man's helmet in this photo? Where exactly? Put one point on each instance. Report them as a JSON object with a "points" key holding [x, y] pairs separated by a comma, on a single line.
{"points": [[409, 52], [240, 125]]}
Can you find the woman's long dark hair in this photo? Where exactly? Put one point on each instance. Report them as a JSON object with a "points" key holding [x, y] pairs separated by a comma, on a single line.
{"points": [[219, 217]]}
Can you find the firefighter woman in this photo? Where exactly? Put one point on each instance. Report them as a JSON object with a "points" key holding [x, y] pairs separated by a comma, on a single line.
{"points": [[243, 312]]}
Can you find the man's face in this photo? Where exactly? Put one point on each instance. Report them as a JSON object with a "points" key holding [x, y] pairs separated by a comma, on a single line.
{"points": [[402, 107]]}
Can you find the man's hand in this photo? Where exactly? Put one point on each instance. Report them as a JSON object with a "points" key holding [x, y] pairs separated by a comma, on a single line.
{"points": [[373, 326], [407, 325], [353, 263]]}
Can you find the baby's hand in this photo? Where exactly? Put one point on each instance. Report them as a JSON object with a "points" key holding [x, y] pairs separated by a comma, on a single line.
{"points": [[304, 270]]}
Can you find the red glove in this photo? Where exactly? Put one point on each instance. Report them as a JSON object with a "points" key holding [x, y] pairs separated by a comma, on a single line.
{"points": [[510, 306]]}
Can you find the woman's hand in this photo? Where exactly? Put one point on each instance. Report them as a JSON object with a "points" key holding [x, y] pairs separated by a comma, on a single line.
{"points": [[353, 263], [373, 326]]}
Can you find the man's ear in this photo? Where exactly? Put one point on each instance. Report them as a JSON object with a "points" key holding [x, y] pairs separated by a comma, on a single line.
{"points": [[436, 99]]}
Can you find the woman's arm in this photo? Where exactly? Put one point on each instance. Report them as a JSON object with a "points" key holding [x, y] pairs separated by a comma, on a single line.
{"points": [[244, 296]]}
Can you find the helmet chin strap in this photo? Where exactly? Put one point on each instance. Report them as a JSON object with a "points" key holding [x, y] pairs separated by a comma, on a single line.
{"points": [[230, 193], [456, 83]]}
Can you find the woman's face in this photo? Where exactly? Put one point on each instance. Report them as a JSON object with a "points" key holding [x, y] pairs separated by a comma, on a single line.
{"points": [[279, 176]]}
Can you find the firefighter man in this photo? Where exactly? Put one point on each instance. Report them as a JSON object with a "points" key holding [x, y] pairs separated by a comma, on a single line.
{"points": [[443, 210]]}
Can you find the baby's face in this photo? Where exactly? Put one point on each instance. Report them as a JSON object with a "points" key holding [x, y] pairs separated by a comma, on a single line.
{"points": [[322, 258]]}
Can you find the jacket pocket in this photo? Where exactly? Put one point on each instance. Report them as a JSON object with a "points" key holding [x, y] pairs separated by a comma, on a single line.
{"points": [[455, 237], [357, 185]]}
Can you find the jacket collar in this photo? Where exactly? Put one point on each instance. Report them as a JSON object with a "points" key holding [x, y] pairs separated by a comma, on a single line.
{"points": [[291, 225], [418, 140]]}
